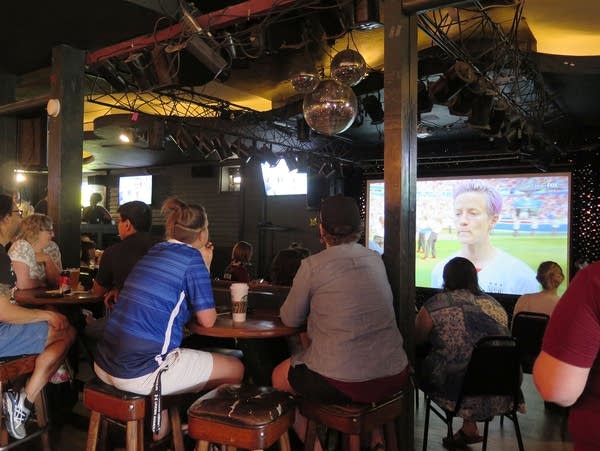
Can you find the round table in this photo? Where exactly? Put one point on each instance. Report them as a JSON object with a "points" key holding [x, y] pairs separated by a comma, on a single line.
{"points": [[35, 296], [257, 325]]}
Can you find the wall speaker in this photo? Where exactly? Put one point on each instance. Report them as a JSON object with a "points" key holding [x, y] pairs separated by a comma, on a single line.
{"points": [[98, 180], [318, 188], [203, 171]]}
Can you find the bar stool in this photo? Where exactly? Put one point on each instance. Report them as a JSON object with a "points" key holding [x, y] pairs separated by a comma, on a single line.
{"points": [[109, 403], [352, 420], [242, 416], [10, 369]]}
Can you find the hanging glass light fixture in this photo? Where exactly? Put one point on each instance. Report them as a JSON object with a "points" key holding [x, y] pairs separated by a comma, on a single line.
{"points": [[348, 67], [331, 108]]}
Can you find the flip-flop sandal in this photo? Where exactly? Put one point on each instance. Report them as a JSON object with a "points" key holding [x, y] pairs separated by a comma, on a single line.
{"points": [[461, 440]]}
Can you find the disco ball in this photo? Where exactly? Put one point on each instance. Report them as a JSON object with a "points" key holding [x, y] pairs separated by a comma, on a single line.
{"points": [[305, 80], [348, 67], [331, 108]]}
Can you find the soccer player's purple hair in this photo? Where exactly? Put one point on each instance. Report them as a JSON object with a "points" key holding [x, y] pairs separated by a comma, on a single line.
{"points": [[494, 198]]}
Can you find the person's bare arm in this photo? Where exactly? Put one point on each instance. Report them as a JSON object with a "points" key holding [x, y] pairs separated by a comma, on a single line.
{"points": [[52, 270], [204, 318], [423, 326], [24, 281], [557, 381], [15, 314]]}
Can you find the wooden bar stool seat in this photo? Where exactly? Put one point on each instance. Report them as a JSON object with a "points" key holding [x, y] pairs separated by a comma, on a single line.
{"points": [[352, 420], [242, 416], [10, 369], [130, 409]]}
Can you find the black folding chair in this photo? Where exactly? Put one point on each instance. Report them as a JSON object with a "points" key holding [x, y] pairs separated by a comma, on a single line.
{"points": [[494, 370], [528, 328]]}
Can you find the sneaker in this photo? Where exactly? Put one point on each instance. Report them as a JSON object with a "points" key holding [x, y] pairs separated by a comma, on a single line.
{"points": [[16, 413]]}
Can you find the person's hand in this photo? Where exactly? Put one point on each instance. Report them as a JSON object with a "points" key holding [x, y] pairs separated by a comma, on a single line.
{"points": [[57, 320], [110, 298], [207, 253], [41, 257]]}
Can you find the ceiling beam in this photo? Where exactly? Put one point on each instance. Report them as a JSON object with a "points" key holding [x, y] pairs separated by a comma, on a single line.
{"points": [[210, 21]]}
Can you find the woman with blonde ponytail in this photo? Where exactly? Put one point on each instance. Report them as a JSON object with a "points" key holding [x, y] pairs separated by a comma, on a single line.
{"points": [[169, 288], [550, 276]]}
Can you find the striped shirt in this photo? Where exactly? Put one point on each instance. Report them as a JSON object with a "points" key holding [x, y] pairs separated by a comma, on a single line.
{"points": [[162, 292]]}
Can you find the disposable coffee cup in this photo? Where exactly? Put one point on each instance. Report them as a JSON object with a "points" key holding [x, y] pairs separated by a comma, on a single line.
{"points": [[239, 301]]}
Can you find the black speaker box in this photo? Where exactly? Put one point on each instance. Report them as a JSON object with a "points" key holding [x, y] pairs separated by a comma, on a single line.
{"points": [[203, 171], [317, 189], [98, 180]]}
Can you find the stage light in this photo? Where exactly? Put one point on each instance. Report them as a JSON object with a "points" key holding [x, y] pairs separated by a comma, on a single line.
{"points": [[373, 108], [202, 46], [424, 103], [453, 80], [140, 66]]}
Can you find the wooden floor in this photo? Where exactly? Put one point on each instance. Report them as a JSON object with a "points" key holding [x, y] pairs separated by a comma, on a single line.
{"points": [[541, 429]]}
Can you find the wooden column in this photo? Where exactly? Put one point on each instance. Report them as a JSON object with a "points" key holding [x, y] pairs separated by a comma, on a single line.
{"points": [[400, 177], [65, 142], [8, 133]]}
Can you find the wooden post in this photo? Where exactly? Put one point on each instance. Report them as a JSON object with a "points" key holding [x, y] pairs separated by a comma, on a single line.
{"points": [[65, 145], [400, 177]]}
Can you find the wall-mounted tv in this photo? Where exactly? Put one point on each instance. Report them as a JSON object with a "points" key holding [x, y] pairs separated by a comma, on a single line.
{"points": [[135, 187], [515, 221], [280, 181]]}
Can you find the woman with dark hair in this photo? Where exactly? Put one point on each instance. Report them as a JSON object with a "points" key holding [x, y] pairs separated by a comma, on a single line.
{"points": [[451, 323], [238, 269], [285, 266], [550, 276], [168, 288]]}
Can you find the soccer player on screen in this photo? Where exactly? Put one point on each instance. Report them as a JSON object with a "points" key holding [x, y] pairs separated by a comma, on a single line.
{"points": [[477, 208]]}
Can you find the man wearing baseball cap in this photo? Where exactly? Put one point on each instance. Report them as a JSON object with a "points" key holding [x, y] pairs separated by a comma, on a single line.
{"points": [[343, 295]]}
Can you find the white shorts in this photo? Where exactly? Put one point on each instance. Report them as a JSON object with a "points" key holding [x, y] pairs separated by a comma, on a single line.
{"points": [[188, 371]]}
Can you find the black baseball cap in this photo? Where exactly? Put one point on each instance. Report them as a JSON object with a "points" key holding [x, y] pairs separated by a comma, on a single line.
{"points": [[340, 215]]}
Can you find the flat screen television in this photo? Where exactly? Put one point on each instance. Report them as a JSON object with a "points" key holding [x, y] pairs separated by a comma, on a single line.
{"points": [[135, 187], [532, 226], [280, 181]]}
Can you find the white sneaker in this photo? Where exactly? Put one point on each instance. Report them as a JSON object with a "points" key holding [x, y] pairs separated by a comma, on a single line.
{"points": [[16, 413]]}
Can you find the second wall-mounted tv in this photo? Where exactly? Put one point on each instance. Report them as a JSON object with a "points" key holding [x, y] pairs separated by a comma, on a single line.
{"points": [[135, 187], [531, 226], [280, 181]]}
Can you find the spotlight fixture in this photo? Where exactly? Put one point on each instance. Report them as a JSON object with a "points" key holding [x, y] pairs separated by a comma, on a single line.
{"points": [[202, 45], [453, 80], [373, 108], [424, 103]]}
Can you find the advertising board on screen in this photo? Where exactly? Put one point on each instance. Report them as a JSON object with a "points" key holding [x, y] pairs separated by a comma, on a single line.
{"points": [[525, 222]]}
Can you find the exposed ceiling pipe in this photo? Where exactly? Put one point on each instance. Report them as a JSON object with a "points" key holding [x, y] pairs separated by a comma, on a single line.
{"points": [[210, 21], [418, 6]]}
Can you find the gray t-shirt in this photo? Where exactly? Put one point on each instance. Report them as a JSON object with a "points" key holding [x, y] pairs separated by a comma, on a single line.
{"points": [[344, 296]]}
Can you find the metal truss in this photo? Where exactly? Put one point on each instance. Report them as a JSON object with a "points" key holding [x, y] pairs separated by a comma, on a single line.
{"points": [[186, 107], [488, 39]]}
